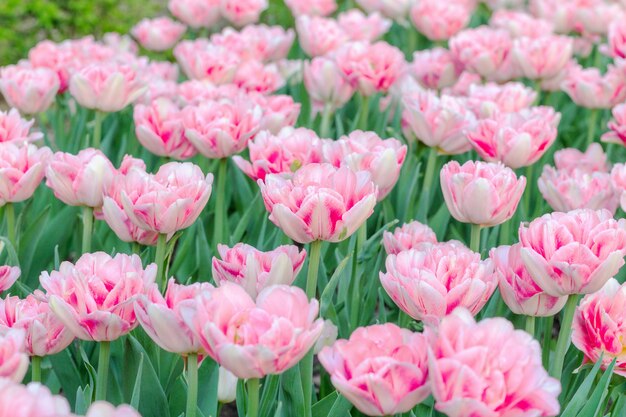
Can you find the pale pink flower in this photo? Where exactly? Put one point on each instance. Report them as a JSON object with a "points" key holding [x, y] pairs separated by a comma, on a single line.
{"points": [[106, 87], [575, 252], [559, 13], [366, 151], [438, 122], [327, 338], [13, 128], [8, 276], [488, 369], [159, 34], [617, 126], [413, 235], [382, 369], [435, 68], [160, 315], [196, 13], [30, 90], [32, 400], [462, 86], [588, 88], [22, 167], [483, 50], [592, 160], [618, 178], [516, 139], [218, 129], [616, 47], [566, 190], [158, 89], [226, 386], [489, 99], [196, 92], [166, 202], [255, 270], [251, 339], [393, 9], [326, 85], [596, 17], [282, 153], [520, 24], [44, 333], [430, 282], [599, 328], [318, 35], [121, 43], [255, 76], [105, 409], [201, 60], [13, 359], [362, 27], [544, 57], [482, 193], [370, 68], [319, 202], [159, 128], [158, 71], [242, 12], [94, 298], [279, 111], [520, 293], [257, 42], [311, 7], [440, 20]]}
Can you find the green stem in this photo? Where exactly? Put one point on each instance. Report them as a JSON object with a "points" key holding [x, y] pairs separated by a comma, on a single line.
{"points": [[218, 227], [427, 185], [103, 371], [364, 113], [315, 251], [253, 397], [563, 342], [9, 213], [505, 231], [475, 238], [591, 126], [192, 385], [530, 325], [87, 229], [35, 363], [361, 237], [530, 169], [327, 115], [306, 378], [547, 340], [160, 261], [97, 129]]}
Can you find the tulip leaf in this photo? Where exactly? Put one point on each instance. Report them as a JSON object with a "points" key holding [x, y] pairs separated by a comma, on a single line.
{"points": [[83, 399], [208, 380], [333, 405], [581, 397], [593, 406], [134, 400], [292, 395], [268, 398], [67, 372], [326, 299], [253, 208]]}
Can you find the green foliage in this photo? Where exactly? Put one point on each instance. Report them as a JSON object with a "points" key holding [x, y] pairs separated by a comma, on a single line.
{"points": [[23, 23]]}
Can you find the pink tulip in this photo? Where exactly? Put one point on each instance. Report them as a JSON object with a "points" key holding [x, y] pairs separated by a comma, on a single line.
{"points": [[164, 203], [362, 27], [435, 68], [120, 43], [242, 12], [520, 24], [22, 168], [159, 128], [196, 13], [413, 235], [438, 122], [160, 316], [596, 17], [439, 21], [575, 252], [393, 9], [488, 369], [221, 129], [481, 193], [201, 60], [366, 151], [104, 409], [255, 270], [617, 126], [94, 298], [159, 34], [255, 76], [489, 99], [44, 333], [318, 35], [483, 50], [32, 400], [311, 7], [196, 92], [79, 180], [327, 338], [8, 276], [382, 369], [617, 40], [226, 386], [279, 111], [592, 160], [370, 68], [576, 189], [588, 88], [106, 87], [326, 85], [251, 339], [541, 58], [319, 202], [13, 128], [618, 178], [282, 153], [257, 42], [13, 360], [30, 90], [430, 282], [159, 89], [516, 139], [560, 14], [598, 327], [520, 293]]}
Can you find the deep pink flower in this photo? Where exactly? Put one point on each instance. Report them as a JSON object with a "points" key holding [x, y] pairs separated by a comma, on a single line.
{"points": [[438, 20], [382, 369], [30, 90], [242, 12], [617, 40], [575, 252], [196, 13], [13, 128], [255, 76], [362, 27], [22, 167], [617, 126], [159, 34], [435, 68], [318, 35], [409, 236]]}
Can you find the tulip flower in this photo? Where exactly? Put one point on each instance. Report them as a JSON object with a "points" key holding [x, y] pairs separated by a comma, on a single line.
{"points": [[361, 27], [30, 90], [393, 9], [439, 21], [318, 35], [542, 57], [618, 179], [617, 126], [8, 276], [521, 24], [257, 42], [32, 400], [409, 236], [104, 409], [13, 359], [196, 13], [435, 68], [158, 34], [13, 128], [242, 12], [487, 100], [311, 7], [201, 60]]}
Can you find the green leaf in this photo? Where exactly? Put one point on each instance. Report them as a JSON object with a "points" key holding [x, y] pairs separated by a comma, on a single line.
{"points": [[593, 406], [268, 398], [580, 398], [134, 400], [333, 405]]}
